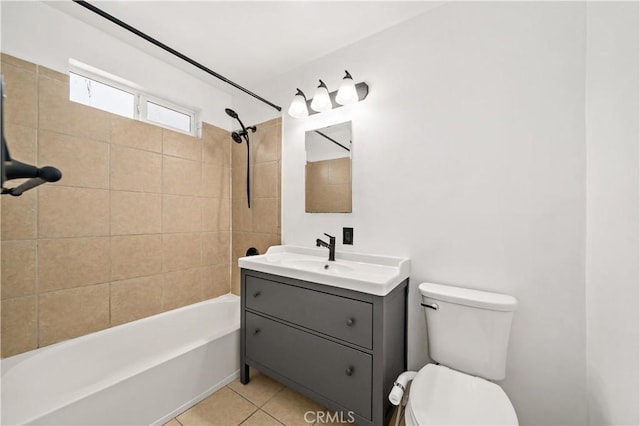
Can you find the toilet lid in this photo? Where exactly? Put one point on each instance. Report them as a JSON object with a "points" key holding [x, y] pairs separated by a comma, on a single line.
{"points": [[441, 396]]}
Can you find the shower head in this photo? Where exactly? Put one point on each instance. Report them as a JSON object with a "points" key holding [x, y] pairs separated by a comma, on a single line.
{"points": [[231, 113], [237, 137]]}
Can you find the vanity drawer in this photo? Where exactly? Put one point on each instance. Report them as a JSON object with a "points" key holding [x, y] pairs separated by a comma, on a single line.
{"points": [[335, 371], [346, 319]]}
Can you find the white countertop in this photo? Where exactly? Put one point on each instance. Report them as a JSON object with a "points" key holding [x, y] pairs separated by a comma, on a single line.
{"points": [[367, 273]]}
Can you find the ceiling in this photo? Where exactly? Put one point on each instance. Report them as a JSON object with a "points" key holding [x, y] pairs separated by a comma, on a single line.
{"points": [[248, 42]]}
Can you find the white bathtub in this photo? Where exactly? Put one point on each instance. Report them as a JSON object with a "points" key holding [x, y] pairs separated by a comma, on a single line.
{"points": [[141, 373]]}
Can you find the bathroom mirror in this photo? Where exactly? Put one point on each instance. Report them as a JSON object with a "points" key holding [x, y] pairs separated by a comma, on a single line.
{"points": [[328, 169]]}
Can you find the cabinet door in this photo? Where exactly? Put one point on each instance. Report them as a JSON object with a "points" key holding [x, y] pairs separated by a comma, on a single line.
{"points": [[346, 319], [335, 371]]}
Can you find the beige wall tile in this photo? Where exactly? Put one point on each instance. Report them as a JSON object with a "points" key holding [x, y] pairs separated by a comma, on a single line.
{"points": [[266, 142], [19, 216], [18, 268], [135, 170], [72, 262], [265, 215], [12, 60], [263, 241], [239, 154], [266, 180], [240, 242], [71, 313], [83, 162], [216, 146], [216, 182], [182, 288], [235, 279], [20, 89], [181, 251], [135, 134], [181, 213], [21, 142], [216, 213], [72, 212], [216, 281], [242, 216], [57, 113], [19, 329], [49, 73], [181, 177], [216, 248], [135, 298], [239, 182], [135, 256], [135, 213], [181, 145]]}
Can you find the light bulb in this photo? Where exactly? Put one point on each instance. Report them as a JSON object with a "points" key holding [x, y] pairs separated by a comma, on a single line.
{"points": [[347, 93], [298, 107], [321, 101]]}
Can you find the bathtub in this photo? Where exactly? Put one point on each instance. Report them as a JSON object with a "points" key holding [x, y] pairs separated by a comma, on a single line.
{"points": [[141, 373]]}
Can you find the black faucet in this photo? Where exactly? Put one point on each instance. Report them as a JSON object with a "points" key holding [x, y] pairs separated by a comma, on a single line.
{"points": [[331, 246]]}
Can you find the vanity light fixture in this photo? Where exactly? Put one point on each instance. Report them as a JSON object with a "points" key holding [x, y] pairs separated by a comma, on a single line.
{"points": [[298, 107], [321, 101], [348, 93]]}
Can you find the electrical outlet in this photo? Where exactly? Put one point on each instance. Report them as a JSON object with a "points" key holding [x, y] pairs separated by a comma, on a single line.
{"points": [[347, 236]]}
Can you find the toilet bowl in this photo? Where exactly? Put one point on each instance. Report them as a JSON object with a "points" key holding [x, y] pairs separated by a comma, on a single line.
{"points": [[442, 396]]}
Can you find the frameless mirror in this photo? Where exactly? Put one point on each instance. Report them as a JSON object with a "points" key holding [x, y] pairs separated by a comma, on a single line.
{"points": [[328, 169]]}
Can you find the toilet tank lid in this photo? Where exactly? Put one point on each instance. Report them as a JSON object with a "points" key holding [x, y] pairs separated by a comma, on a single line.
{"points": [[469, 297]]}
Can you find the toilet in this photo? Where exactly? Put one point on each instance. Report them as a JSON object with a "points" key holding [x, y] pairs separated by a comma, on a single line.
{"points": [[468, 333]]}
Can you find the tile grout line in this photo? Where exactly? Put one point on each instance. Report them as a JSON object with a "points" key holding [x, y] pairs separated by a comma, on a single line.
{"points": [[110, 307], [246, 399], [37, 203]]}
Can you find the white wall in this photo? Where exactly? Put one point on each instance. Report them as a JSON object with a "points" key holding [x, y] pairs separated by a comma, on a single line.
{"points": [[469, 158], [36, 32], [612, 214]]}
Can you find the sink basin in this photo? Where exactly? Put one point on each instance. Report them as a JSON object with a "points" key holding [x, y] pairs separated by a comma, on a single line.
{"points": [[335, 267], [373, 274]]}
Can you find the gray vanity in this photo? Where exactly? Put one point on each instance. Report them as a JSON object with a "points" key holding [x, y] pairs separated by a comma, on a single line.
{"points": [[317, 327]]}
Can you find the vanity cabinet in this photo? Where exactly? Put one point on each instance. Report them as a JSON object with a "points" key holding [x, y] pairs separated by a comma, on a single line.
{"points": [[341, 348]]}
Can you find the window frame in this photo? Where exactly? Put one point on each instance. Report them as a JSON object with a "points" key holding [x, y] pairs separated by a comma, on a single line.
{"points": [[143, 98], [140, 101]]}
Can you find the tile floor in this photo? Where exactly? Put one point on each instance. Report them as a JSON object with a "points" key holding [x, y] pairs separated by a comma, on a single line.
{"points": [[262, 402]]}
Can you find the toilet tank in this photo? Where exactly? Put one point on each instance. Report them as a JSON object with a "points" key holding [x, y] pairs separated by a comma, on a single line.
{"points": [[468, 330]]}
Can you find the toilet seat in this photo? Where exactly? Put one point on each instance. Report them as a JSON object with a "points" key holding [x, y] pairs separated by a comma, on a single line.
{"points": [[441, 396]]}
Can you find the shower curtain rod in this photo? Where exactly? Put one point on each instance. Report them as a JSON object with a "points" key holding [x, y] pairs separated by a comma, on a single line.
{"points": [[174, 52]]}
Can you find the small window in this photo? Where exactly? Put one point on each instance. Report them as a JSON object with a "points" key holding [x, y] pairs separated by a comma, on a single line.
{"points": [[118, 98], [168, 117], [102, 96]]}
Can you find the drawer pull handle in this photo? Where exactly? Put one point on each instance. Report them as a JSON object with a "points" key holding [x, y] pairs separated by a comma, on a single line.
{"points": [[351, 321], [349, 371], [256, 294], [256, 331]]}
